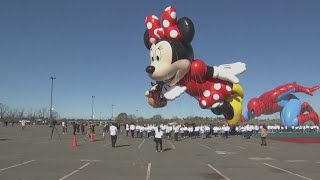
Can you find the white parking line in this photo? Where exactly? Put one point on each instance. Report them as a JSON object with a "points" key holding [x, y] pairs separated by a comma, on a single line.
{"points": [[16, 165], [89, 160], [141, 144], [205, 146], [240, 147], [225, 177], [171, 145], [148, 171], [297, 161], [287, 171], [68, 175], [260, 158]]}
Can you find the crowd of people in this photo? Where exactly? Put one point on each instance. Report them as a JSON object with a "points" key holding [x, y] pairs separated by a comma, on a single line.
{"points": [[180, 131], [195, 131]]}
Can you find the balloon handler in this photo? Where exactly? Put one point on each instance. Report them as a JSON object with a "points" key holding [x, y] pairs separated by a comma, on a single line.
{"points": [[173, 67], [283, 100]]}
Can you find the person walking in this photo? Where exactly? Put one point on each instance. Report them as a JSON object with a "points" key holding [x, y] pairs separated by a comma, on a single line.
{"points": [[89, 131], [132, 128], [82, 128], [93, 124], [78, 127], [264, 133], [127, 128], [113, 133], [74, 128], [176, 132], [23, 124], [158, 138], [63, 127]]}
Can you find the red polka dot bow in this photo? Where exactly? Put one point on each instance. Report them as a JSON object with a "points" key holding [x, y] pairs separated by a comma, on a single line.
{"points": [[170, 29]]}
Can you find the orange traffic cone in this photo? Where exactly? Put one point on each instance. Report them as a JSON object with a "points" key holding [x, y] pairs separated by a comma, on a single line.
{"points": [[92, 137], [74, 141]]}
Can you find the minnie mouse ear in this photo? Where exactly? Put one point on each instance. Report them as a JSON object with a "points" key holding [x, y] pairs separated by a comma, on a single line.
{"points": [[146, 39], [186, 29]]}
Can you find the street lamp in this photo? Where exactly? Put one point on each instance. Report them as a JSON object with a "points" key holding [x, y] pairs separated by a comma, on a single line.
{"points": [[53, 123], [52, 78], [92, 107]]}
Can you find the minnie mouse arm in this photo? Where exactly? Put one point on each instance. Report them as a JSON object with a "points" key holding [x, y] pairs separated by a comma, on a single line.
{"points": [[227, 72], [199, 69]]}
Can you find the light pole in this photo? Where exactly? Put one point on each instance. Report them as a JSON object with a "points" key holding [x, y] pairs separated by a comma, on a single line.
{"points": [[53, 123], [92, 107], [52, 78]]}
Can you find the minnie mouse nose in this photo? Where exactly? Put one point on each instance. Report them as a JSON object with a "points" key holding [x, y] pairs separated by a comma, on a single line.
{"points": [[150, 69]]}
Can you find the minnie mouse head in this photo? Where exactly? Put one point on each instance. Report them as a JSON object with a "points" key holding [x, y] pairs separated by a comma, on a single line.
{"points": [[170, 47]]}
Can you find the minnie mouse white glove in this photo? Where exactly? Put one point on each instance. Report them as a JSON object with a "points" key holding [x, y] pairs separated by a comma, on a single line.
{"points": [[173, 92], [228, 72]]}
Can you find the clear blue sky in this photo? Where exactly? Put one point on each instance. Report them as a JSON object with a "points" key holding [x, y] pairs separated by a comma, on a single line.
{"points": [[96, 48]]}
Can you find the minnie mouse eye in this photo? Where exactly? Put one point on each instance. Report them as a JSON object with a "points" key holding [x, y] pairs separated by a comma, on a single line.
{"points": [[158, 54]]}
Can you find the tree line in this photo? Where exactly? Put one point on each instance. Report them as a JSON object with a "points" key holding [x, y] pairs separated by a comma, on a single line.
{"points": [[43, 114], [17, 114]]}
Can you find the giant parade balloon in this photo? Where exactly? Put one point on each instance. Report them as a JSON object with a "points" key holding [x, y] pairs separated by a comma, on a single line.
{"points": [[282, 99], [175, 71]]}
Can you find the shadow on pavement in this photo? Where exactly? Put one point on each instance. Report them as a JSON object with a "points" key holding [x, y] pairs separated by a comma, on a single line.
{"points": [[124, 145]]}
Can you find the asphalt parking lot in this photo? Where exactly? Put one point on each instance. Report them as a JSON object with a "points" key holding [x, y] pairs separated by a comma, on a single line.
{"points": [[31, 155]]}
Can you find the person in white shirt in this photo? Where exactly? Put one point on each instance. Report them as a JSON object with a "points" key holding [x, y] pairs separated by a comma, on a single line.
{"points": [[243, 131], [207, 130], [138, 130], [190, 129], [226, 131], [167, 131], [176, 132], [158, 138], [113, 133], [63, 127], [202, 132], [127, 128], [237, 130], [132, 128], [141, 131], [149, 131], [248, 131], [186, 131], [215, 131], [181, 131], [23, 124]]}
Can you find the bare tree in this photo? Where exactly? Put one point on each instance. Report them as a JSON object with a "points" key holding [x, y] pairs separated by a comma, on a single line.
{"points": [[42, 113], [55, 115], [3, 111], [31, 115], [13, 113], [20, 113]]}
